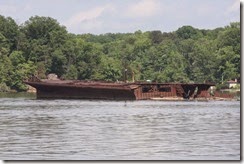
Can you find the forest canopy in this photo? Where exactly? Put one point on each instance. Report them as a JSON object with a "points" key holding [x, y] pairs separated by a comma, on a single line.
{"points": [[41, 46]]}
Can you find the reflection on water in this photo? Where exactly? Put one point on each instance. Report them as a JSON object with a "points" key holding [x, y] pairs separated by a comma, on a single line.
{"points": [[117, 130]]}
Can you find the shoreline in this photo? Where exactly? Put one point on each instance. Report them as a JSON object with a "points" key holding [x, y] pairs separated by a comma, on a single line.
{"points": [[153, 99], [196, 99]]}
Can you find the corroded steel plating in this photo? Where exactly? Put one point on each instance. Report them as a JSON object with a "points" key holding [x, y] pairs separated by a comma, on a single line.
{"points": [[76, 89]]}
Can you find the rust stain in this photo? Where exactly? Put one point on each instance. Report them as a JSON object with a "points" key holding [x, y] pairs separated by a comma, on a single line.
{"points": [[116, 91]]}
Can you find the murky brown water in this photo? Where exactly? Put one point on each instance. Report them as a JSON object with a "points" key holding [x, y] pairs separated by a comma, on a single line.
{"points": [[117, 130]]}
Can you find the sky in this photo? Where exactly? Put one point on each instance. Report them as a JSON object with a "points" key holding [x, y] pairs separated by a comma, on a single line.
{"points": [[122, 16]]}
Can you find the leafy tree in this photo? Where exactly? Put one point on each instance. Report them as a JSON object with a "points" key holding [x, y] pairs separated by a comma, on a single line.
{"points": [[16, 58], [5, 63], [41, 45], [156, 37], [10, 30], [230, 38], [72, 73], [58, 63], [43, 35], [22, 71], [6, 67], [226, 67], [109, 70], [41, 70], [204, 61], [187, 32]]}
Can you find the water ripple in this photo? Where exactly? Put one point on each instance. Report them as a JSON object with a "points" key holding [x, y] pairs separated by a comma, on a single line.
{"points": [[122, 130]]}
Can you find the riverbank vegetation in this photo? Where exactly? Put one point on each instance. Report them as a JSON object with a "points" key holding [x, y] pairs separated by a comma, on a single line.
{"points": [[41, 46]]}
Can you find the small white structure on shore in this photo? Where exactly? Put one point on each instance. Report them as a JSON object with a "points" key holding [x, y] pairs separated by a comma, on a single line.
{"points": [[52, 76], [232, 83]]}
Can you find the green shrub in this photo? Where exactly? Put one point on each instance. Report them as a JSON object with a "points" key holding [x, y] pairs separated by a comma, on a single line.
{"points": [[4, 87]]}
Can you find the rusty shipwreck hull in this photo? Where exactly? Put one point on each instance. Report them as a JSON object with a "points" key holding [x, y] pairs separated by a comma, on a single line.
{"points": [[68, 89], [82, 91]]}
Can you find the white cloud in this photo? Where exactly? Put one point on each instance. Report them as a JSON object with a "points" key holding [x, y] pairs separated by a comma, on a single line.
{"points": [[95, 16], [232, 12], [14, 10], [204, 9], [28, 7], [144, 8], [88, 15], [7, 9], [87, 27], [234, 7]]}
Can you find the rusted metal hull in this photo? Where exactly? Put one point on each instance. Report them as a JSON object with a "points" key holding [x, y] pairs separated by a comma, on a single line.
{"points": [[86, 93], [59, 91], [116, 91]]}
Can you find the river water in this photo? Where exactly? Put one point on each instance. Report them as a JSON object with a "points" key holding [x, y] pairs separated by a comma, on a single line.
{"points": [[118, 130]]}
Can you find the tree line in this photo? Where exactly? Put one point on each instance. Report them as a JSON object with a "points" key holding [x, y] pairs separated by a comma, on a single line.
{"points": [[41, 46]]}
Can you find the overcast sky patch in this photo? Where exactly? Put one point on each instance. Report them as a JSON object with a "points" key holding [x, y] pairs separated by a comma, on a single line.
{"points": [[103, 16]]}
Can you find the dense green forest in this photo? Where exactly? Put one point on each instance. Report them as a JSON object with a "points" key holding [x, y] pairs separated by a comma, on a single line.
{"points": [[41, 46]]}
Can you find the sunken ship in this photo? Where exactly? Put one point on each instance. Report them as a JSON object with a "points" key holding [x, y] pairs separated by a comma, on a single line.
{"points": [[77, 89]]}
